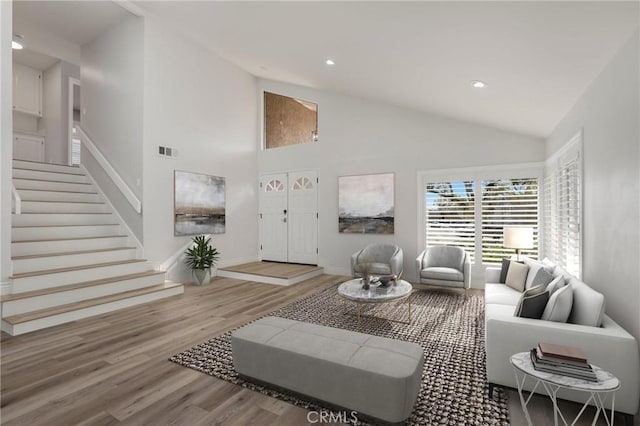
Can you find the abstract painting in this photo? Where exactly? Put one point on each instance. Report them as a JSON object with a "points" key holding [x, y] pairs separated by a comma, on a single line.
{"points": [[199, 204], [366, 204]]}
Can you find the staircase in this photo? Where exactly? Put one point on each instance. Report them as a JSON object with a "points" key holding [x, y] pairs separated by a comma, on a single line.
{"points": [[71, 257]]}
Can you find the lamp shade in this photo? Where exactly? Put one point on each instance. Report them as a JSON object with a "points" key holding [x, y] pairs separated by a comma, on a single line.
{"points": [[518, 237]]}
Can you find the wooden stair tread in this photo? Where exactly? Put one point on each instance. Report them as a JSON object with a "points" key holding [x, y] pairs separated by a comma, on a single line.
{"points": [[68, 253], [22, 214], [57, 190], [68, 239], [52, 164], [49, 180], [49, 171], [62, 226], [74, 268], [74, 286], [43, 313], [65, 202]]}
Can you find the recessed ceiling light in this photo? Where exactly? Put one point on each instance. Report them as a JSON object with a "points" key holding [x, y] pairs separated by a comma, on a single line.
{"points": [[330, 62], [478, 84]]}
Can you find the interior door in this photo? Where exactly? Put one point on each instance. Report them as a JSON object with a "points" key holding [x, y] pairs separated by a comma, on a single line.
{"points": [[303, 217], [273, 217]]}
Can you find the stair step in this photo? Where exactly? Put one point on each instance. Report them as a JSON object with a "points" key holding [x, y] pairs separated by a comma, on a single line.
{"points": [[23, 323], [48, 185], [51, 167], [19, 303], [49, 219], [43, 246], [29, 206], [49, 176], [61, 196], [47, 261], [37, 280], [37, 232]]}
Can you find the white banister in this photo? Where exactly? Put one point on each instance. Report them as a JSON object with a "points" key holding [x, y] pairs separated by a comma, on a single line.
{"points": [[110, 171], [17, 201]]}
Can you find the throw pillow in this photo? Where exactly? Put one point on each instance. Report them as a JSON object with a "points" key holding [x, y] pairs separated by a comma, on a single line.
{"points": [[556, 284], [588, 304], [516, 276], [532, 303], [503, 271], [548, 265], [542, 278], [559, 306]]}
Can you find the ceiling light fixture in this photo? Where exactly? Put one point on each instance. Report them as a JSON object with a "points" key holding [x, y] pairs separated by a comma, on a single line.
{"points": [[477, 84], [16, 43], [330, 62]]}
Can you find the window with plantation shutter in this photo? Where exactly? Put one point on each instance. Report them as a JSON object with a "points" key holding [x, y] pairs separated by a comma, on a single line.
{"points": [[563, 208], [507, 202], [450, 214], [75, 151]]}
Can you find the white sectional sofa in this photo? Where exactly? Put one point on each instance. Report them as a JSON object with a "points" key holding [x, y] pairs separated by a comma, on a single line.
{"points": [[609, 346]]}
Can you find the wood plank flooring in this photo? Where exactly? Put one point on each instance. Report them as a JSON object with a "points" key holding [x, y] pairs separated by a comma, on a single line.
{"points": [[272, 269], [113, 369]]}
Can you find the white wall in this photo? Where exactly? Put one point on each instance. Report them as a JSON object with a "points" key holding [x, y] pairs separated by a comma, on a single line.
{"points": [[51, 121], [359, 137], [6, 138], [609, 114], [40, 40], [206, 108], [112, 74]]}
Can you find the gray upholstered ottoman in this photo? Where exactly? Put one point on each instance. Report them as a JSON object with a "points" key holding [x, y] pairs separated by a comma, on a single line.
{"points": [[372, 375]]}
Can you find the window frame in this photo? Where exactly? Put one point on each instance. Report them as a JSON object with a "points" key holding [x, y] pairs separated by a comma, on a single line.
{"points": [[478, 174]]}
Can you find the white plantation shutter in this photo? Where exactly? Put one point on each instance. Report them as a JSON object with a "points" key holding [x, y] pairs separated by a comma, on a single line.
{"points": [[507, 202], [550, 217], [563, 216], [75, 151], [450, 215]]}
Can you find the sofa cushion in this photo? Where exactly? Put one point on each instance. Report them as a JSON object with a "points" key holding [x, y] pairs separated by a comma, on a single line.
{"points": [[588, 304], [537, 275], [532, 303], [559, 305], [501, 294], [516, 276], [560, 271], [504, 270], [548, 265], [555, 285], [442, 273]]}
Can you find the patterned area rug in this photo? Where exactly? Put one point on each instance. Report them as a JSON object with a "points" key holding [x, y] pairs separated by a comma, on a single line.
{"points": [[448, 326]]}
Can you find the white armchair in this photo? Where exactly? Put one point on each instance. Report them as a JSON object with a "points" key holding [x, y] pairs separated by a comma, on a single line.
{"points": [[447, 266], [380, 259]]}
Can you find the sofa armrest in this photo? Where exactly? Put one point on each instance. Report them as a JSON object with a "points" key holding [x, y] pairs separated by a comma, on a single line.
{"points": [[492, 274], [466, 270], [609, 347], [419, 260]]}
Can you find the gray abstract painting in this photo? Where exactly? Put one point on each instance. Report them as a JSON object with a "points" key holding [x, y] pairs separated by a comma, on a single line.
{"points": [[366, 204], [199, 204]]}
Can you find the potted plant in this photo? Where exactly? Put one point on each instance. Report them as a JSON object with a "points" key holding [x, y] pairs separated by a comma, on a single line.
{"points": [[200, 257]]}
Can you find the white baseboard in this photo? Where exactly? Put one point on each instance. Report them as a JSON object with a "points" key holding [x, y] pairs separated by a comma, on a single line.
{"points": [[5, 288]]}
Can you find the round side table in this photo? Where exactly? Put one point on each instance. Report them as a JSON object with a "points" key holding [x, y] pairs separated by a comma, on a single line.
{"points": [[599, 391]]}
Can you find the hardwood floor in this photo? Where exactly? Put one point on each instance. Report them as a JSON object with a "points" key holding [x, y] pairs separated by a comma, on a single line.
{"points": [[272, 269], [113, 369]]}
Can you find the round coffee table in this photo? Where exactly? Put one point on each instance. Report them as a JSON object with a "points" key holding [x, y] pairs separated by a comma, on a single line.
{"points": [[352, 291]]}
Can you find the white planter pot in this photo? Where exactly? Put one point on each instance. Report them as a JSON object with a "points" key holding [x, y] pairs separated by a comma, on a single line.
{"points": [[201, 276]]}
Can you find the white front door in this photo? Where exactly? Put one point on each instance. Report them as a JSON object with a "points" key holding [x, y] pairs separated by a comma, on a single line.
{"points": [[303, 217], [289, 217], [273, 217]]}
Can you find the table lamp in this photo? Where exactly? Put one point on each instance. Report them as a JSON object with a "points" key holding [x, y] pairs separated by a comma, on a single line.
{"points": [[516, 237]]}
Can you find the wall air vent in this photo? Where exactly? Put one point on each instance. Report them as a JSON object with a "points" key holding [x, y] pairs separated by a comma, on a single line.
{"points": [[167, 151]]}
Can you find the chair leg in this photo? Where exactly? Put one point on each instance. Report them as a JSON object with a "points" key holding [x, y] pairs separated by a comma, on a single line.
{"points": [[491, 390]]}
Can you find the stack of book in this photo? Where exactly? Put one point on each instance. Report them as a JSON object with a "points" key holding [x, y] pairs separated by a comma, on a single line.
{"points": [[563, 360]]}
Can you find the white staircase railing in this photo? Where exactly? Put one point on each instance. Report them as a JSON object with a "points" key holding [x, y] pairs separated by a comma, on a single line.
{"points": [[110, 171], [17, 201]]}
